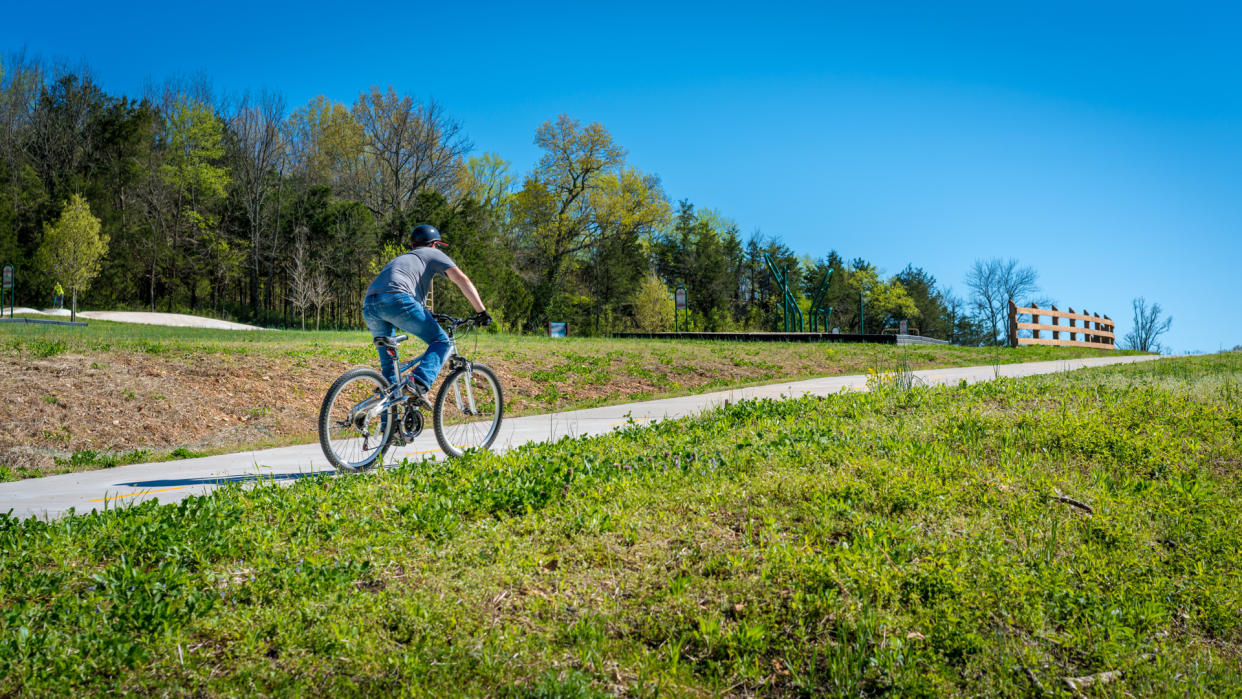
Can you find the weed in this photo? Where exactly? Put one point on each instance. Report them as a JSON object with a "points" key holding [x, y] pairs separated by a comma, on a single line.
{"points": [[42, 348]]}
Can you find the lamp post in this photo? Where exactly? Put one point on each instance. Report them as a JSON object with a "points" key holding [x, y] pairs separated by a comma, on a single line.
{"points": [[862, 325]]}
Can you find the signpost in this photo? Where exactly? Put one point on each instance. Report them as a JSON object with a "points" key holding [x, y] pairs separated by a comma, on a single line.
{"points": [[558, 329], [7, 290], [680, 296], [902, 327]]}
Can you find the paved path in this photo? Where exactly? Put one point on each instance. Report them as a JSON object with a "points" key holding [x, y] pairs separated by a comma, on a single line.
{"points": [[170, 481], [176, 320]]}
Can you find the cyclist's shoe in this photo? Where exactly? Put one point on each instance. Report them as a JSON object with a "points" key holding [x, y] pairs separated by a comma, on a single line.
{"points": [[417, 393]]}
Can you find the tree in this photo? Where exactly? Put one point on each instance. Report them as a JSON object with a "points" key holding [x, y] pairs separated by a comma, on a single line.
{"points": [[258, 151], [700, 251], [73, 247], [628, 208], [410, 146], [325, 145], [933, 314], [1148, 327], [318, 293], [885, 303], [300, 276], [653, 305], [486, 179], [993, 283], [553, 209]]}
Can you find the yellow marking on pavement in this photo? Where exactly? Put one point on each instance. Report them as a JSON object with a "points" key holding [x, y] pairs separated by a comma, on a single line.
{"points": [[626, 422], [140, 492]]}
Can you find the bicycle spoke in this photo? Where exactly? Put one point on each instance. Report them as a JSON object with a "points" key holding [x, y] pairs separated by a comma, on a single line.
{"points": [[355, 431], [469, 410]]}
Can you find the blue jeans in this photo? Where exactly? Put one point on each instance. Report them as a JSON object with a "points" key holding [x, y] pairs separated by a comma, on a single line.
{"points": [[384, 312]]}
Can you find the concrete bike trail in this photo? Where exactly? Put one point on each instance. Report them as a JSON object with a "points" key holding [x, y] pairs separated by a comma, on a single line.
{"points": [[169, 481]]}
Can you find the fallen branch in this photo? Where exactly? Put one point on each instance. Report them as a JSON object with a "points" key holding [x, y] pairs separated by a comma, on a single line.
{"points": [[1071, 501], [1077, 684], [1035, 681]]}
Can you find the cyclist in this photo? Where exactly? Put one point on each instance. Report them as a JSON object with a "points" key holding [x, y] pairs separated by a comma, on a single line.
{"points": [[397, 297]]}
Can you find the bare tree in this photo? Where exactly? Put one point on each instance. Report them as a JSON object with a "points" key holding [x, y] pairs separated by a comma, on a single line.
{"points": [[993, 283], [319, 293], [410, 147], [1148, 327], [986, 294], [300, 275], [20, 81], [258, 150]]}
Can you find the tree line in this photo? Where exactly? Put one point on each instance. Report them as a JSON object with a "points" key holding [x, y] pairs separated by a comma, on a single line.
{"points": [[249, 209]]}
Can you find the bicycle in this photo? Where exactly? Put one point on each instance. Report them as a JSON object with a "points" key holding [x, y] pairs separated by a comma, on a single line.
{"points": [[362, 416]]}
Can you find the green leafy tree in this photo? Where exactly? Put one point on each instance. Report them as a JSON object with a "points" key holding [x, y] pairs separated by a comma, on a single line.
{"points": [[933, 314], [325, 144], [193, 173], [700, 251], [73, 247], [653, 305], [486, 179], [554, 208]]}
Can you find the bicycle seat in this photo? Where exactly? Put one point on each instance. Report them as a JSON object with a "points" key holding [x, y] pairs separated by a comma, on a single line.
{"points": [[390, 342]]}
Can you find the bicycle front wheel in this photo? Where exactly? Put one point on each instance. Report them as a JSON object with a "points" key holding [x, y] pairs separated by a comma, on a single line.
{"points": [[352, 431], [468, 410]]}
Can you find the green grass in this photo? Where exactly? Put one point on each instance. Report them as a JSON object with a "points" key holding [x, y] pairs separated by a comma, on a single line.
{"points": [[914, 542], [574, 355]]}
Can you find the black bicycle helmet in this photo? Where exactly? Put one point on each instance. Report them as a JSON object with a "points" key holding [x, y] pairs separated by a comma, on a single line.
{"points": [[425, 234]]}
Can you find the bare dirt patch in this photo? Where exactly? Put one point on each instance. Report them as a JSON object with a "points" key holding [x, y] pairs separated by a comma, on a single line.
{"points": [[131, 401], [118, 402]]}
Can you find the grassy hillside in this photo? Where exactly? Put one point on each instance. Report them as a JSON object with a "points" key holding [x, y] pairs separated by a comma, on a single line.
{"points": [[112, 393], [985, 540]]}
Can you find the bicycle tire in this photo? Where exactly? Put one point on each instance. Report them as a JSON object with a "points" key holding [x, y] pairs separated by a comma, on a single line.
{"points": [[340, 449], [453, 439]]}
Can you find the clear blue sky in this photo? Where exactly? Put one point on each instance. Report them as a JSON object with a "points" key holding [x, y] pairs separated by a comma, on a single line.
{"points": [[1100, 143]]}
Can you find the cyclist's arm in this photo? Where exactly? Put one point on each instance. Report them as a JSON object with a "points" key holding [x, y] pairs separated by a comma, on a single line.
{"points": [[467, 287]]}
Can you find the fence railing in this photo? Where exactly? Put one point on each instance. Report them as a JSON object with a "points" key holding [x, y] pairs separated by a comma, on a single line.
{"points": [[1096, 330]]}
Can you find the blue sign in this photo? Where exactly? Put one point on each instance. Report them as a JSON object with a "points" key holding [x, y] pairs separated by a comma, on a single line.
{"points": [[558, 329]]}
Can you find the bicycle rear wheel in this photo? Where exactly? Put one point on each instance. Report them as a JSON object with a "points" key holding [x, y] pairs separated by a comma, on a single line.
{"points": [[468, 410], [352, 432]]}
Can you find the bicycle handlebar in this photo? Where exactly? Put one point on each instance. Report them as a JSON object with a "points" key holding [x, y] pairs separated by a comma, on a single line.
{"points": [[452, 322]]}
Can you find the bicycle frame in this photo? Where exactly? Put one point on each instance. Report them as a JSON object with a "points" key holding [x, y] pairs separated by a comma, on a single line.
{"points": [[453, 362]]}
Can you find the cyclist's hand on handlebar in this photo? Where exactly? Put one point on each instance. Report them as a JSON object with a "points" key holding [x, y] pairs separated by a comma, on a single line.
{"points": [[482, 319]]}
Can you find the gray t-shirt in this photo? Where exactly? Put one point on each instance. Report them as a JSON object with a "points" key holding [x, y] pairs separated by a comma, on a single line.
{"points": [[411, 273]]}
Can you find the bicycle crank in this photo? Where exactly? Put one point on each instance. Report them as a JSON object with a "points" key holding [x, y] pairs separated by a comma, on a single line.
{"points": [[411, 424]]}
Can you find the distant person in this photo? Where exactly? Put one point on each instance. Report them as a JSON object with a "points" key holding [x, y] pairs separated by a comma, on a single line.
{"points": [[58, 296], [397, 298]]}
